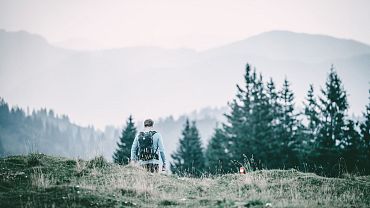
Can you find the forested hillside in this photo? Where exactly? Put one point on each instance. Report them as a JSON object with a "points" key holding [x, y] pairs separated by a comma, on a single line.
{"points": [[43, 131]]}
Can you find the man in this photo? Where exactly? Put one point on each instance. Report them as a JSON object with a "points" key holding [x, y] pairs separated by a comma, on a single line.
{"points": [[147, 147]]}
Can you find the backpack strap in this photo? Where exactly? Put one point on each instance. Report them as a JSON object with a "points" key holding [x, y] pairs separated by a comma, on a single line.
{"points": [[140, 136], [153, 133]]}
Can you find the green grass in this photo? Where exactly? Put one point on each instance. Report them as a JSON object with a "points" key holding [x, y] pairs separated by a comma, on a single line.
{"points": [[38, 180]]}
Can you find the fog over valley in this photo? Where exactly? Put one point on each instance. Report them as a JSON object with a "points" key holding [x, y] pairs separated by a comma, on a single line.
{"points": [[102, 87]]}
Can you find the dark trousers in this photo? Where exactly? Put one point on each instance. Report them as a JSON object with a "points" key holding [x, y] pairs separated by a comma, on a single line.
{"points": [[151, 167]]}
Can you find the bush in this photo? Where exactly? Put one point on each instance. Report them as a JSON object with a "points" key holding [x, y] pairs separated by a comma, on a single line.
{"points": [[98, 162], [34, 159], [167, 203]]}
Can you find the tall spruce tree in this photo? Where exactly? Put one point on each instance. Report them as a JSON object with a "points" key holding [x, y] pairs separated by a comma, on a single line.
{"points": [[123, 152], [289, 126], [189, 159], [2, 150], [272, 138], [238, 121], [310, 132], [311, 111], [237, 126], [365, 134], [353, 153], [217, 153], [250, 123], [365, 126], [260, 127], [273, 101], [333, 109]]}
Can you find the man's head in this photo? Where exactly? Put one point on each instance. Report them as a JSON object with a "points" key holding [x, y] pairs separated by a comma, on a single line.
{"points": [[148, 123]]}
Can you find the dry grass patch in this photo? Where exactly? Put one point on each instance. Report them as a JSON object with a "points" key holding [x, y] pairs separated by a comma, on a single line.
{"points": [[52, 181]]}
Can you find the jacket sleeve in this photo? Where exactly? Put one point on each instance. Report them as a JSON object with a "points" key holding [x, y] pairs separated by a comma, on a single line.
{"points": [[161, 149], [134, 149]]}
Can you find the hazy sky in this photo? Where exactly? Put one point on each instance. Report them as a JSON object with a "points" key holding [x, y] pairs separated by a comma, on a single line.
{"points": [[198, 24]]}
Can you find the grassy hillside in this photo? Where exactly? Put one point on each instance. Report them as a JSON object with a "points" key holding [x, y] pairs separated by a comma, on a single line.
{"points": [[38, 180]]}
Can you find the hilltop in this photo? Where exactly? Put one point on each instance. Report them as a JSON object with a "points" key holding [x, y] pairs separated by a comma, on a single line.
{"points": [[39, 180]]}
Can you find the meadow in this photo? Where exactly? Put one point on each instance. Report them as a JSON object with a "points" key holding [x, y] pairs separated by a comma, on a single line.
{"points": [[38, 180]]}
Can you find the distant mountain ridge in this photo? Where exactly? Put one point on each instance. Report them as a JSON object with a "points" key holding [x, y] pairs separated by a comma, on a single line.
{"points": [[108, 79], [302, 47]]}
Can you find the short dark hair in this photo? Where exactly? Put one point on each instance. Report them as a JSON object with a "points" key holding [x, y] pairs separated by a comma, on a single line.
{"points": [[148, 123]]}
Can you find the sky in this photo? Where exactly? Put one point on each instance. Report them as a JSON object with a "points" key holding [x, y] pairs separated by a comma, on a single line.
{"points": [[196, 24]]}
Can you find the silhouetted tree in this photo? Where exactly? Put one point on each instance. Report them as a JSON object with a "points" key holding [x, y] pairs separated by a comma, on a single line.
{"points": [[333, 108], [188, 159], [274, 148], [238, 121], [310, 132], [260, 126], [288, 128], [365, 134], [2, 150], [353, 145], [217, 153], [122, 154], [311, 111]]}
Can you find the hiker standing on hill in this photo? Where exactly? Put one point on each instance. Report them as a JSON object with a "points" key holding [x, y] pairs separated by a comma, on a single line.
{"points": [[146, 148]]}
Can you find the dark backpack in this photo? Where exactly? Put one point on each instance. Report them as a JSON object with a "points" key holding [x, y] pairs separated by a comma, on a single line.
{"points": [[146, 147]]}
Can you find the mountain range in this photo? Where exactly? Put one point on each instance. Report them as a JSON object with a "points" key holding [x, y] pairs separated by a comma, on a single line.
{"points": [[103, 87]]}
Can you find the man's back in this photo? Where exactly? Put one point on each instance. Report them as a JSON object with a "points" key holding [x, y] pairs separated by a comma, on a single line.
{"points": [[148, 147]]}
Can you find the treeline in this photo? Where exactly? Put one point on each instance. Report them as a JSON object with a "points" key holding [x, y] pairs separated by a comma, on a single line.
{"points": [[264, 131], [188, 160], [45, 132]]}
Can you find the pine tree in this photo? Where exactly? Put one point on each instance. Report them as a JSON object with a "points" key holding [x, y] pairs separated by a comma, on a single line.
{"points": [[250, 126], [240, 107], [249, 122], [365, 134], [237, 129], [217, 153], [272, 150], [365, 126], [289, 125], [310, 132], [259, 126], [189, 158], [333, 108], [311, 112], [2, 150], [123, 152], [4, 119], [273, 100], [5, 116], [288, 119], [353, 148]]}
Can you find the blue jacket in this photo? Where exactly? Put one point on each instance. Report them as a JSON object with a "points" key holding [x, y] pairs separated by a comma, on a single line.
{"points": [[157, 145]]}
